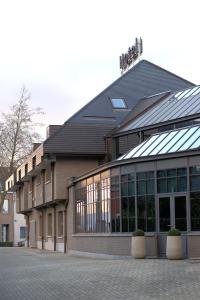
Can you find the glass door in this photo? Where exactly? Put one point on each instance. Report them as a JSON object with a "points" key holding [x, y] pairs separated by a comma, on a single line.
{"points": [[172, 213]]}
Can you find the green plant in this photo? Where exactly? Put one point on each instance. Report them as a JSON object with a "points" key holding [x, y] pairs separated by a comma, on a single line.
{"points": [[174, 232], [138, 232]]}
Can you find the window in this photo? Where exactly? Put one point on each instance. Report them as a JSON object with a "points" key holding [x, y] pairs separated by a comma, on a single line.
{"points": [[30, 186], [38, 179], [93, 206], [5, 207], [172, 180], [146, 201], [195, 210], [26, 169], [118, 103], [40, 226], [48, 174], [34, 162], [49, 224], [195, 178], [60, 223], [128, 202], [115, 204], [22, 232], [19, 175]]}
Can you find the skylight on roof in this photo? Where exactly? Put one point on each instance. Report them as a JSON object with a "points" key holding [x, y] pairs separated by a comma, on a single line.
{"points": [[177, 140], [182, 104], [118, 103]]}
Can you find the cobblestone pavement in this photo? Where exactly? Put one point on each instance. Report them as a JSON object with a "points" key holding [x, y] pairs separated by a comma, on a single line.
{"points": [[34, 274]]}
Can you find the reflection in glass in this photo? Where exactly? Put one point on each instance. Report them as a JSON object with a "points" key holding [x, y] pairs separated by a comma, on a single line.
{"points": [[195, 211], [180, 213], [164, 213]]}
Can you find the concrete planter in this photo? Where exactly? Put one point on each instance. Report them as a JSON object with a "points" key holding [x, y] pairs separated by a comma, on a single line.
{"points": [[174, 247], [138, 246]]}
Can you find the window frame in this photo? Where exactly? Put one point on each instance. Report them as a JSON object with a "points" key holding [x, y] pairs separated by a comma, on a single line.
{"points": [[112, 100]]}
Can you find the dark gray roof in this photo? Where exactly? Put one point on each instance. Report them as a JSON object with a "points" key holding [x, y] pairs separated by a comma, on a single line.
{"points": [[84, 132], [182, 104], [143, 80], [78, 139]]}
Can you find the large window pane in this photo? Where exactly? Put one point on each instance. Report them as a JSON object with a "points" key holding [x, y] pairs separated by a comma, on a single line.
{"points": [[141, 187], [182, 184], [171, 185], [150, 187], [195, 183], [162, 185], [164, 213], [150, 213], [195, 211], [180, 213], [141, 213]]}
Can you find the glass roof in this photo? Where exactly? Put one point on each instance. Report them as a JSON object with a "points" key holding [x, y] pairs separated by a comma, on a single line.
{"points": [[176, 140], [178, 105]]}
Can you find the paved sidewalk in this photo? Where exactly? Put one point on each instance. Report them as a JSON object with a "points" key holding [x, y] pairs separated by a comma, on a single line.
{"points": [[27, 274]]}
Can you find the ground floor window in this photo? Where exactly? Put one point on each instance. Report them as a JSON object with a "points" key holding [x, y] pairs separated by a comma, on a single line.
{"points": [[5, 232], [60, 223], [22, 232], [195, 210], [124, 202], [93, 206], [49, 224]]}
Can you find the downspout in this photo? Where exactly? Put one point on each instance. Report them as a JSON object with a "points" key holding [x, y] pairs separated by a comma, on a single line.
{"points": [[43, 201], [65, 222], [28, 228], [54, 208], [42, 229], [70, 184]]}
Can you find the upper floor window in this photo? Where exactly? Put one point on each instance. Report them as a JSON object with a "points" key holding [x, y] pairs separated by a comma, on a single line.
{"points": [[26, 169], [48, 174], [118, 103], [5, 206], [34, 162]]}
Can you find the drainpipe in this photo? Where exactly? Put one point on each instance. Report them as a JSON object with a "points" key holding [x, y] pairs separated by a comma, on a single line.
{"points": [[54, 210], [42, 229], [28, 228], [65, 222]]}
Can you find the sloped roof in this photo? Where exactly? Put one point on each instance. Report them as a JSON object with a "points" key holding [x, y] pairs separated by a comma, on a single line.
{"points": [[84, 132], [179, 105], [78, 139], [143, 80], [171, 141]]}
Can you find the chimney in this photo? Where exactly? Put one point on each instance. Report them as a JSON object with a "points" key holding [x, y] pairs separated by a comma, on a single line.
{"points": [[51, 130]]}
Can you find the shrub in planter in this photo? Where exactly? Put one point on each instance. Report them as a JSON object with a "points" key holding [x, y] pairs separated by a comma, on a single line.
{"points": [[174, 244], [138, 244]]}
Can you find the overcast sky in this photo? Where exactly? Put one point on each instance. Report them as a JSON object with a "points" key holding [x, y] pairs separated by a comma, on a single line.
{"points": [[66, 52]]}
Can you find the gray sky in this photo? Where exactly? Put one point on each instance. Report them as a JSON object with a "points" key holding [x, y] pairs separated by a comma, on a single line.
{"points": [[66, 52]]}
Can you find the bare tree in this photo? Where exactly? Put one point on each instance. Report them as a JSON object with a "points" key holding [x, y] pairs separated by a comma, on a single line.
{"points": [[17, 134]]}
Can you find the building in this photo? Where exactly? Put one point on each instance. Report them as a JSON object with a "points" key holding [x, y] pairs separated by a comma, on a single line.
{"points": [[12, 225], [107, 170], [6, 221]]}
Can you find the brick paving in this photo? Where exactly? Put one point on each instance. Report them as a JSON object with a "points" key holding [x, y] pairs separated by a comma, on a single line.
{"points": [[28, 274]]}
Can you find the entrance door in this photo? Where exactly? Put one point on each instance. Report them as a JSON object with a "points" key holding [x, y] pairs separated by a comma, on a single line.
{"points": [[172, 214]]}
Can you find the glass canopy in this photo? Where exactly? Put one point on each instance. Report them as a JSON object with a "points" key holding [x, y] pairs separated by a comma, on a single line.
{"points": [[178, 105], [177, 140]]}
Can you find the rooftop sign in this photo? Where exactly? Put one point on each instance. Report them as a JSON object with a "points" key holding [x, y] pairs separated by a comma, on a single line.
{"points": [[133, 53]]}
